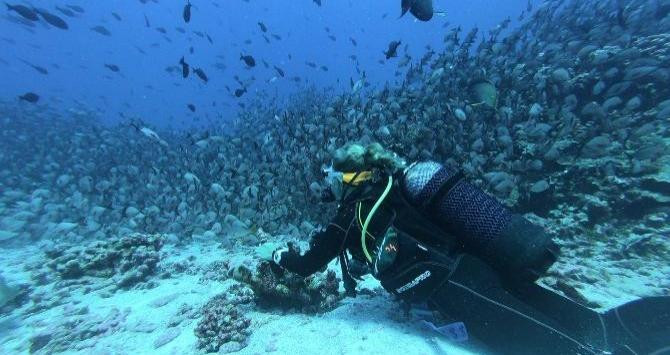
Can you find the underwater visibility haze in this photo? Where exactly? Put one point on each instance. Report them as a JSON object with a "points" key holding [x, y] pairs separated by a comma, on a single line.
{"points": [[335, 177]]}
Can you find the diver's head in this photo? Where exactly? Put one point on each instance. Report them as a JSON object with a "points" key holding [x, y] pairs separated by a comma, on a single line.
{"points": [[355, 167]]}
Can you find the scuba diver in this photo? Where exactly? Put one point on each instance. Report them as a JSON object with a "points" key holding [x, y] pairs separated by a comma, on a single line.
{"points": [[430, 237]]}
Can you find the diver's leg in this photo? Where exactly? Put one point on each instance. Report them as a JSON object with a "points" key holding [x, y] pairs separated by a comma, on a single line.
{"points": [[475, 296], [638, 327]]}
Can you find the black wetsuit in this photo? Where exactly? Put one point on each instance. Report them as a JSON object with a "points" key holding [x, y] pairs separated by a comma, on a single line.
{"points": [[478, 281]]}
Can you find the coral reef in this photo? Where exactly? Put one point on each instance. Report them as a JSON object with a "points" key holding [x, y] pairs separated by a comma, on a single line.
{"points": [[223, 321], [128, 260], [317, 293]]}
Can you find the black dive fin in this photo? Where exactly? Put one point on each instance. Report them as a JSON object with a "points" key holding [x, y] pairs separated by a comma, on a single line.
{"points": [[641, 326]]}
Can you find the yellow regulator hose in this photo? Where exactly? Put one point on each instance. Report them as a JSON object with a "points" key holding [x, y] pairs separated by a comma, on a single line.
{"points": [[369, 217]]}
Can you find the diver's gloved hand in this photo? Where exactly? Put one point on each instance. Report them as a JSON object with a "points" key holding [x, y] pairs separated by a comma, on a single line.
{"points": [[277, 256]]}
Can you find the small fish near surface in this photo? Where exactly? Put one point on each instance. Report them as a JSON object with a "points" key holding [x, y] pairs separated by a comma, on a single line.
{"points": [[52, 19], [39, 69], [201, 74], [113, 67], [65, 11], [24, 11], [263, 27], [240, 92], [191, 107], [248, 60], [279, 71], [76, 8], [421, 9], [392, 51], [185, 68], [187, 12], [101, 30], [30, 97]]}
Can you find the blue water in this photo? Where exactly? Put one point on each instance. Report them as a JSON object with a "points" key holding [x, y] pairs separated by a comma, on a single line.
{"points": [[75, 57]]}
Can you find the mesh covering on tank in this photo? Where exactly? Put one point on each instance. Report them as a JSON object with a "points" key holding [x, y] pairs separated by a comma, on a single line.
{"points": [[423, 179], [473, 215]]}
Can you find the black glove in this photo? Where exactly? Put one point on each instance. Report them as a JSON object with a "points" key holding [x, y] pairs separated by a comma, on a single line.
{"points": [[275, 263]]}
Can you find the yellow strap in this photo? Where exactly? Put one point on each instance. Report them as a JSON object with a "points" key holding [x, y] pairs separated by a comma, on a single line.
{"points": [[356, 178]]}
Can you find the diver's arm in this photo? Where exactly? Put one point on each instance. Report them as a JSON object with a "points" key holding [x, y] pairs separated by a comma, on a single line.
{"points": [[324, 246]]}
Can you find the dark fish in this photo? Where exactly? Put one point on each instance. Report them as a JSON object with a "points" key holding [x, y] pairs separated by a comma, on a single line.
{"points": [[327, 29], [201, 74], [116, 16], [76, 8], [392, 51], [53, 19], [324, 68], [209, 39], [240, 92], [267, 40], [146, 21], [353, 41], [30, 97], [248, 60], [191, 107], [276, 36], [311, 64], [185, 68], [279, 71], [262, 26], [161, 30], [101, 30], [24, 11], [265, 64], [112, 67], [318, 2], [39, 69], [248, 41], [190, 50], [421, 9], [199, 34], [187, 12], [66, 12], [332, 38], [220, 66]]}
